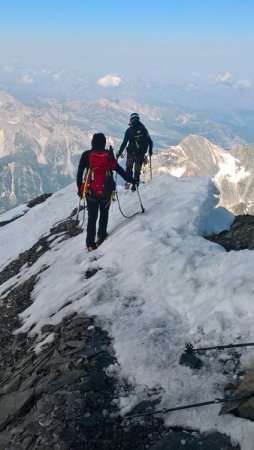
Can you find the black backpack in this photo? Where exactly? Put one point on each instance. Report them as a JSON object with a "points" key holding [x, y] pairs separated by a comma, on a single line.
{"points": [[139, 138]]}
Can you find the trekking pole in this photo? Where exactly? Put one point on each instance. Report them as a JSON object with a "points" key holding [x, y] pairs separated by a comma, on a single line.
{"points": [[150, 164], [190, 349], [142, 207], [78, 208], [188, 357], [192, 405]]}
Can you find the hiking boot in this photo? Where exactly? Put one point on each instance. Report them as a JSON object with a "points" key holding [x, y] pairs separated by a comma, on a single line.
{"points": [[101, 239], [127, 186], [92, 247], [133, 188]]}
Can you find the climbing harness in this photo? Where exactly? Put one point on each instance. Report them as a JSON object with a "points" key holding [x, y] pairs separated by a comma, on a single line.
{"points": [[111, 199]]}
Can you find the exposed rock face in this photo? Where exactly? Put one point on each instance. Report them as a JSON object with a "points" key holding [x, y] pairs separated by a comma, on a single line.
{"points": [[230, 170], [239, 237], [209, 441], [39, 150], [243, 407]]}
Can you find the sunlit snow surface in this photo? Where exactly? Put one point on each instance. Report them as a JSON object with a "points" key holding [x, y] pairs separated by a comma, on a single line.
{"points": [[14, 213], [160, 285]]}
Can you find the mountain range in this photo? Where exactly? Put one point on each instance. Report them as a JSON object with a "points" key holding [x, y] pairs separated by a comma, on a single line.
{"points": [[41, 143]]}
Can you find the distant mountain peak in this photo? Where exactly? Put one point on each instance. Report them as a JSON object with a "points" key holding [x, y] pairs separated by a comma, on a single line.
{"points": [[199, 140], [230, 171]]}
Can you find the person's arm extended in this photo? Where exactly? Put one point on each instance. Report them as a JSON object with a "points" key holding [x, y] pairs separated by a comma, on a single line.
{"points": [[124, 175], [150, 145], [124, 143]]}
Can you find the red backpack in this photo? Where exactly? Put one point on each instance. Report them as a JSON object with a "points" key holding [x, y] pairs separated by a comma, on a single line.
{"points": [[99, 182]]}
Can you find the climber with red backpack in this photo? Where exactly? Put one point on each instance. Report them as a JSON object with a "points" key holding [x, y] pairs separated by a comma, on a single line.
{"points": [[98, 186]]}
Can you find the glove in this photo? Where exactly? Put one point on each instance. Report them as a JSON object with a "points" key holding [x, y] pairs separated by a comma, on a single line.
{"points": [[150, 153], [130, 180], [118, 155], [145, 162]]}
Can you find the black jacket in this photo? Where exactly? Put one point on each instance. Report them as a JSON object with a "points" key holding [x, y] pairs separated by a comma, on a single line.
{"points": [[127, 138]]}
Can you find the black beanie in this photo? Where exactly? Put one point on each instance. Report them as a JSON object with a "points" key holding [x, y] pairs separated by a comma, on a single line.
{"points": [[98, 141]]}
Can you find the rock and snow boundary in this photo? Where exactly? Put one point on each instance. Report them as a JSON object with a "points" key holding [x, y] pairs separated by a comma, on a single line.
{"points": [[157, 284]]}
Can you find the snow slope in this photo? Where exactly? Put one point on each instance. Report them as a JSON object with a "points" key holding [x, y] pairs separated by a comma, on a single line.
{"points": [[160, 285]]}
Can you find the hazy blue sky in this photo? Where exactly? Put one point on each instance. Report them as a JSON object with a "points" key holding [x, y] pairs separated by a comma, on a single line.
{"points": [[194, 47], [193, 35]]}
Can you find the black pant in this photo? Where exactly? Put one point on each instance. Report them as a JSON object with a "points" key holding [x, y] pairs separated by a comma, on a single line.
{"points": [[93, 206], [134, 160]]}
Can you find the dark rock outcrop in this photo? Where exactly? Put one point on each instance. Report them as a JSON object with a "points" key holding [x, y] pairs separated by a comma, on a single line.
{"points": [[239, 237], [38, 200]]}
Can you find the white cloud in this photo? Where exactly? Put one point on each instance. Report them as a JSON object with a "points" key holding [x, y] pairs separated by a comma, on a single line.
{"points": [[26, 79], [192, 86], [56, 76], [8, 69], [243, 84], [110, 81], [225, 78]]}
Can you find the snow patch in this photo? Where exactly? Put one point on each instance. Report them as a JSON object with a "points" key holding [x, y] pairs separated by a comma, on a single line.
{"points": [[230, 169]]}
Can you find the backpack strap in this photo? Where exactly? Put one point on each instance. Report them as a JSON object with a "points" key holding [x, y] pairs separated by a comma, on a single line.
{"points": [[87, 180]]}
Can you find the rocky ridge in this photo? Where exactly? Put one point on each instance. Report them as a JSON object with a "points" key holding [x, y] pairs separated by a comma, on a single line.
{"points": [[61, 397]]}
